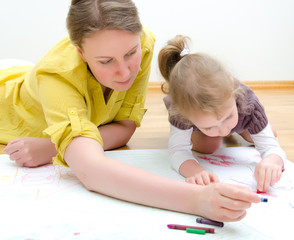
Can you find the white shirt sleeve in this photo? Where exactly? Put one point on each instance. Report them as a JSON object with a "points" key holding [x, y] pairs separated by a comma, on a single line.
{"points": [[266, 143], [180, 147]]}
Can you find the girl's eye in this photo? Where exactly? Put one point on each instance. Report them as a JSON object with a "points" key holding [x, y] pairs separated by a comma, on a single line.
{"points": [[228, 118]]}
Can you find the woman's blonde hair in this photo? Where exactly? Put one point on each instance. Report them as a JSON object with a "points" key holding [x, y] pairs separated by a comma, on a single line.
{"points": [[194, 81], [88, 16]]}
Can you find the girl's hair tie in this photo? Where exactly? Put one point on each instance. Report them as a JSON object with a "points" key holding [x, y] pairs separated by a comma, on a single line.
{"points": [[184, 52]]}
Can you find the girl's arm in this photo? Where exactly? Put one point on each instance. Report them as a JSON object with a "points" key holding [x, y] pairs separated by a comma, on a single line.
{"points": [[222, 202], [269, 170], [182, 159]]}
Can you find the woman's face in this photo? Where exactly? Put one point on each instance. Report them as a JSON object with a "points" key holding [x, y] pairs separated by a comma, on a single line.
{"points": [[114, 57]]}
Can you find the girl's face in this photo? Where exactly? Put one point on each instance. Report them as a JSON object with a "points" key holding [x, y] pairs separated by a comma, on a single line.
{"points": [[212, 125], [114, 57]]}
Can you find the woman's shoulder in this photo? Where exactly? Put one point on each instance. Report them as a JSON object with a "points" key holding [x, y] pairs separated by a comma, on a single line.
{"points": [[147, 39], [63, 56]]}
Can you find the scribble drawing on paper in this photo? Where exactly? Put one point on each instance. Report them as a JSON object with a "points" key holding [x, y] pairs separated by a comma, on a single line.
{"points": [[219, 160], [45, 175]]}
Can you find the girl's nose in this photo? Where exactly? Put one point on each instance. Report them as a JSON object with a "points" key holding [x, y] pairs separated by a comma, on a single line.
{"points": [[224, 131]]}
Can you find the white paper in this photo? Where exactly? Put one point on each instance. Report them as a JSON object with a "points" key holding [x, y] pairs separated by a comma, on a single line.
{"points": [[49, 202]]}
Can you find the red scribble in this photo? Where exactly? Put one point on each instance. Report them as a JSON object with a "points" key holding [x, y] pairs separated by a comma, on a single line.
{"points": [[43, 175], [266, 194], [37, 179], [77, 233], [219, 160]]}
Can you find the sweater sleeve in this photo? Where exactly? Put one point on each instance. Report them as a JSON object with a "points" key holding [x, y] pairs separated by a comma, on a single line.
{"points": [[180, 147], [266, 143]]}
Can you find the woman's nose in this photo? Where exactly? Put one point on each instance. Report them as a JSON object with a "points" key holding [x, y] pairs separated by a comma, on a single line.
{"points": [[123, 70]]}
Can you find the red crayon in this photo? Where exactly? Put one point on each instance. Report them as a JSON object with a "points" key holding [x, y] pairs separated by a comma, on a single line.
{"points": [[184, 227]]}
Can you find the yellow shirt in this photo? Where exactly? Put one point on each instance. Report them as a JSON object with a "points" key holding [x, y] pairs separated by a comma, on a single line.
{"points": [[60, 99]]}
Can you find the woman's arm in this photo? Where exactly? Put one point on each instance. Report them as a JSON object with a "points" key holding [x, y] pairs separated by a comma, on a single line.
{"points": [[117, 134], [111, 177], [34, 152]]}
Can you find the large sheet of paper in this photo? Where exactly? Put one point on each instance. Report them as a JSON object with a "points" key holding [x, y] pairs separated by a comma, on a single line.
{"points": [[49, 202]]}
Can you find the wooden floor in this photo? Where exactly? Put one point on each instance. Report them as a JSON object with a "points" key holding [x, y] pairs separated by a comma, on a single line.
{"points": [[154, 130]]}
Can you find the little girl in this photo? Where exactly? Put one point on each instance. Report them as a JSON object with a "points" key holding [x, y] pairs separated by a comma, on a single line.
{"points": [[206, 104]]}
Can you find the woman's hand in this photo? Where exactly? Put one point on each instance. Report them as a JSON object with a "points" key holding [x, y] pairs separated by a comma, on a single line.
{"points": [[31, 151], [225, 202], [268, 171]]}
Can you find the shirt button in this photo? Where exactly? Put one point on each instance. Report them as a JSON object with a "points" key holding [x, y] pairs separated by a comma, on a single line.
{"points": [[72, 112]]}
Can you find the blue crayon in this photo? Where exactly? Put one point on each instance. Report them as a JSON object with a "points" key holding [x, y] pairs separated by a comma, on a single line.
{"points": [[263, 199]]}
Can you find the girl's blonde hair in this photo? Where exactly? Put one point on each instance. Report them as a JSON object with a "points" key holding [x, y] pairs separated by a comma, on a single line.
{"points": [[88, 16], [194, 81]]}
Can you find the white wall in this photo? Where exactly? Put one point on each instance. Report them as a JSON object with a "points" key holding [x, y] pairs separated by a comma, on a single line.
{"points": [[253, 38]]}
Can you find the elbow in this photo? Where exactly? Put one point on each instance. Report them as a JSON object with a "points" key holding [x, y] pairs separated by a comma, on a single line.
{"points": [[88, 186], [88, 183], [131, 128]]}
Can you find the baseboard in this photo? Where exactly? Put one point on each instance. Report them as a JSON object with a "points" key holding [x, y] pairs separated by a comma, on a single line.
{"points": [[251, 84]]}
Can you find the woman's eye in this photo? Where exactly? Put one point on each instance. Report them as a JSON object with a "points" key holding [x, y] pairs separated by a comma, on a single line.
{"points": [[132, 53], [105, 62]]}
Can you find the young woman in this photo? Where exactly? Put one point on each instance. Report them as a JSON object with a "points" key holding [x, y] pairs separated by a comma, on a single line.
{"points": [[206, 104], [87, 95]]}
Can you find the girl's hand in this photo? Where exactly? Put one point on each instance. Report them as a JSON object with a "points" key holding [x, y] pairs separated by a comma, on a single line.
{"points": [[203, 177], [31, 151], [196, 174], [268, 172], [225, 202]]}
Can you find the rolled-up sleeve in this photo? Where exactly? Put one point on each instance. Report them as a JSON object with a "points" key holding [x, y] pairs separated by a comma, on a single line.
{"points": [[65, 112], [62, 133]]}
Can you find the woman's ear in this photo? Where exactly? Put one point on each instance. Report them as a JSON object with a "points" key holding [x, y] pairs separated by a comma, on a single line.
{"points": [[80, 51]]}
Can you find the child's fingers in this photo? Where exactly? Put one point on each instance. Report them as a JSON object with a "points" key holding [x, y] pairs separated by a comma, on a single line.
{"points": [[267, 180], [274, 178], [206, 178], [260, 175], [199, 180], [190, 180], [213, 178]]}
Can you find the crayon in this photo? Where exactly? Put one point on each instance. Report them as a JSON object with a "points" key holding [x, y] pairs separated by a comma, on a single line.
{"points": [[184, 227], [193, 230], [209, 222], [263, 199]]}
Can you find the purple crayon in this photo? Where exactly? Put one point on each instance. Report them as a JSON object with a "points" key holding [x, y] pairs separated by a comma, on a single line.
{"points": [[209, 222]]}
